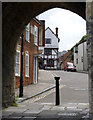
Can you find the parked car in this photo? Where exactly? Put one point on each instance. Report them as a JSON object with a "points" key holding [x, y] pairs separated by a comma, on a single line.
{"points": [[69, 67]]}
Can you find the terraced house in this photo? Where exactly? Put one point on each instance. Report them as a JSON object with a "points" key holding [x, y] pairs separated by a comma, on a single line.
{"points": [[34, 36], [80, 55], [49, 57]]}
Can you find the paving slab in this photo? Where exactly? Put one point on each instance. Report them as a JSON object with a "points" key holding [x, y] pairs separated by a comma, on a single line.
{"points": [[46, 107], [58, 108], [46, 119], [16, 115], [43, 118], [12, 118], [28, 118], [30, 115], [49, 113]]}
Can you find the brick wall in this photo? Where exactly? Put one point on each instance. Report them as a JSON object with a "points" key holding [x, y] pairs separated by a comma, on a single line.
{"points": [[32, 49], [66, 58]]}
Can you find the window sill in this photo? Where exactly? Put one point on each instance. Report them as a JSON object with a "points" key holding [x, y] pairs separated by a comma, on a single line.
{"points": [[27, 76], [27, 41], [36, 44], [16, 75]]}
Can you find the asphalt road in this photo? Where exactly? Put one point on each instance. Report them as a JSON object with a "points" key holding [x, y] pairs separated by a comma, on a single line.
{"points": [[73, 99], [73, 86]]}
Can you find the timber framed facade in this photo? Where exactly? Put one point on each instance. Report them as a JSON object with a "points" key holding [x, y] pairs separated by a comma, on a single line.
{"points": [[49, 57]]}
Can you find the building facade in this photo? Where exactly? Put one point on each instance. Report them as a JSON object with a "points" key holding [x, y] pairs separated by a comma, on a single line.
{"points": [[49, 57], [66, 58], [80, 56], [33, 38], [60, 55]]}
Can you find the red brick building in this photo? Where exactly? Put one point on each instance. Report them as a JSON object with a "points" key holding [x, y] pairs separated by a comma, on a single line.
{"points": [[66, 58], [34, 36]]}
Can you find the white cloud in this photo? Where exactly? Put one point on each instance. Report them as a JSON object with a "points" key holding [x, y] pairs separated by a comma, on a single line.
{"points": [[71, 26]]}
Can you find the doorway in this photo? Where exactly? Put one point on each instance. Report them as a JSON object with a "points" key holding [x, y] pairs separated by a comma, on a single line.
{"points": [[35, 70]]}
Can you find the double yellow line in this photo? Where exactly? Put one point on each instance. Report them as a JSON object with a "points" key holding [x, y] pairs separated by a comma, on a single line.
{"points": [[43, 96]]}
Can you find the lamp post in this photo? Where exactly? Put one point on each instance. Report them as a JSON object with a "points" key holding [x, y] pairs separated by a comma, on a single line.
{"points": [[21, 76]]}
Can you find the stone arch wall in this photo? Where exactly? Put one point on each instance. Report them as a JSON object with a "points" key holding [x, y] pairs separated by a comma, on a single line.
{"points": [[15, 17]]}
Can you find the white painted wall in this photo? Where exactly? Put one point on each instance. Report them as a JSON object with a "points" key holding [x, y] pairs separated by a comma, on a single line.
{"points": [[78, 56], [54, 42], [85, 57], [54, 46], [82, 52], [54, 52]]}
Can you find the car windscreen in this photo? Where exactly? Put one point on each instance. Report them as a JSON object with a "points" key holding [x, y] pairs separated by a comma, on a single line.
{"points": [[70, 65]]}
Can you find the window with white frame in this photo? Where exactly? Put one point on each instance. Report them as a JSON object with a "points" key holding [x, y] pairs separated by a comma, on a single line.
{"points": [[32, 29], [27, 65], [77, 61], [47, 40], [27, 33], [35, 35], [17, 68], [40, 35]]}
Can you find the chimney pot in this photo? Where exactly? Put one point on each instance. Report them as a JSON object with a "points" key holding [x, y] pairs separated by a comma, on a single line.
{"points": [[56, 31]]}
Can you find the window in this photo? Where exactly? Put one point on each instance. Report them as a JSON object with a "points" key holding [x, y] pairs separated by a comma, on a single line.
{"points": [[47, 40], [36, 35], [27, 65], [50, 63], [41, 35], [81, 59], [27, 33], [76, 49], [47, 51], [77, 61], [17, 69]]}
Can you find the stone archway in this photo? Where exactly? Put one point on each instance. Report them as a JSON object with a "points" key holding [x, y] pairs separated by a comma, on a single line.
{"points": [[15, 17]]}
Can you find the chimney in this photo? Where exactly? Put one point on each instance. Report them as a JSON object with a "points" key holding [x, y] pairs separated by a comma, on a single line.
{"points": [[56, 31]]}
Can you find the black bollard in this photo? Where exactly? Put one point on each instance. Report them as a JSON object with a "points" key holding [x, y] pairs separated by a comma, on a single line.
{"points": [[57, 90]]}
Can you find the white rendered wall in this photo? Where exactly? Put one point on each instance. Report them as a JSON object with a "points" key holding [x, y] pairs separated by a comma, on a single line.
{"points": [[78, 56], [82, 52], [85, 64], [54, 39]]}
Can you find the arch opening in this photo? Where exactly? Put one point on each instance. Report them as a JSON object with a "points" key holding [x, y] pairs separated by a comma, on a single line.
{"points": [[15, 34]]}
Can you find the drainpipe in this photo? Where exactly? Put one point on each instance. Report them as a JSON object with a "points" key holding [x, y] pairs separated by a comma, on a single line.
{"points": [[83, 56], [21, 76], [57, 59]]}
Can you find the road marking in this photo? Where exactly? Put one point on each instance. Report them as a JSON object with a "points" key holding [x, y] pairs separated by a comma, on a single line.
{"points": [[75, 88], [55, 75], [43, 96], [79, 89], [67, 114]]}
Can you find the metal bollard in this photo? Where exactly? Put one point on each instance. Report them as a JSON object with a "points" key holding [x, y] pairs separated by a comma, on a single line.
{"points": [[57, 90]]}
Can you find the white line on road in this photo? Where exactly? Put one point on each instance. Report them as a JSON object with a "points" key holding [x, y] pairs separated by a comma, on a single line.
{"points": [[54, 75]]}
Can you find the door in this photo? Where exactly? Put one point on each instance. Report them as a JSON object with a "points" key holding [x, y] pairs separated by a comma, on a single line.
{"points": [[35, 70]]}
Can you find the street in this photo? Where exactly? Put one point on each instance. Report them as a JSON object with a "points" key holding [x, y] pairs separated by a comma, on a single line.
{"points": [[73, 99], [74, 86]]}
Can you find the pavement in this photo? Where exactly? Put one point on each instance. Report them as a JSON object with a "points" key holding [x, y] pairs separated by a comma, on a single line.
{"points": [[29, 109], [45, 111], [33, 90], [81, 71]]}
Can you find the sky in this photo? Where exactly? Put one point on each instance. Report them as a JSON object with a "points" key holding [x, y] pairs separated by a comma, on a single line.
{"points": [[71, 27]]}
